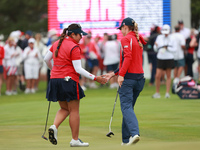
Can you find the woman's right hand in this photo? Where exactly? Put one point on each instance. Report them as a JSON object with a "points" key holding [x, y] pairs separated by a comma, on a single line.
{"points": [[101, 79]]}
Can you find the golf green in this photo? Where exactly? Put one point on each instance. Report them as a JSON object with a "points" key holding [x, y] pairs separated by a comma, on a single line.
{"points": [[165, 124]]}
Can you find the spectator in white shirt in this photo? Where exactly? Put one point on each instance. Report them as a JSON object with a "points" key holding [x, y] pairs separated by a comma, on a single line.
{"points": [[165, 46], [31, 56], [112, 58], [18, 61], [10, 65], [183, 30], [41, 47], [179, 54]]}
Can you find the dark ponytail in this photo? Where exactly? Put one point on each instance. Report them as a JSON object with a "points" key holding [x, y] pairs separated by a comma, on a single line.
{"points": [[60, 42]]}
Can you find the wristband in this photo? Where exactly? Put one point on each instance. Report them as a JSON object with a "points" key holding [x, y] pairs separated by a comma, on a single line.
{"points": [[95, 78]]}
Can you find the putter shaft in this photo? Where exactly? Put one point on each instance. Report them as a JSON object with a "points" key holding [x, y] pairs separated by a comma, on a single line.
{"points": [[46, 122], [110, 132]]}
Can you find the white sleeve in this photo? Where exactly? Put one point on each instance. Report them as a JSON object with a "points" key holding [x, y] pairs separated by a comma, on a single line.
{"points": [[24, 54], [182, 40], [7, 54], [47, 59], [78, 68], [172, 45]]}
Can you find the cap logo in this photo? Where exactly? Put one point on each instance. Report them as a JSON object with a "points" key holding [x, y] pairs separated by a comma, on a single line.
{"points": [[79, 25]]}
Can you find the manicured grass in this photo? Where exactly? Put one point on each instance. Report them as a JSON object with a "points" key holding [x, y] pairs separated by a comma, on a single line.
{"points": [[164, 123]]}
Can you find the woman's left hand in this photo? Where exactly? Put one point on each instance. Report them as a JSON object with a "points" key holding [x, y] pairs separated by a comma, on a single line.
{"points": [[120, 80]]}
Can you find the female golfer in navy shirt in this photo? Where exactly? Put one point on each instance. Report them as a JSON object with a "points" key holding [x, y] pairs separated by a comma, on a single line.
{"points": [[130, 78]]}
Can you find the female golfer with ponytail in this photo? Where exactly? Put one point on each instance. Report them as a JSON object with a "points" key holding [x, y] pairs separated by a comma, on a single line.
{"points": [[63, 85], [130, 78]]}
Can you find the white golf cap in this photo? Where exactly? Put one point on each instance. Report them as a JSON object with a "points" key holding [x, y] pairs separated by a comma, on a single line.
{"points": [[165, 29], [31, 40]]}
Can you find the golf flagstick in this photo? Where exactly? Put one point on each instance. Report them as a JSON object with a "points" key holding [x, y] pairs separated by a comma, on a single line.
{"points": [[110, 131], [46, 122]]}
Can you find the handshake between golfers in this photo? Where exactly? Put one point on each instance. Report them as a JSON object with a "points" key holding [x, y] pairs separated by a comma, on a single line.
{"points": [[108, 76], [101, 79], [66, 57]]}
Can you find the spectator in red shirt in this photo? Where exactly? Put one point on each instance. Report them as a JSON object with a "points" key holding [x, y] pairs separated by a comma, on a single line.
{"points": [[64, 81], [1, 66], [94, 55], [191, 43], [130, 78], [84, 51]]}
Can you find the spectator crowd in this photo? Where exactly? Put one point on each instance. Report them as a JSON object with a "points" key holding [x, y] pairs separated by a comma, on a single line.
{"points": [[21, 59], [168, 48]]}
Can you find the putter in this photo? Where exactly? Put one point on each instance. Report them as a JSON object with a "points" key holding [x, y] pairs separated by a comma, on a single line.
{"points": [[110, 132], [46, 123]]}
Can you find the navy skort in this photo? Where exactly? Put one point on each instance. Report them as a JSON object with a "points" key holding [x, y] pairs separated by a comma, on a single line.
{"points": [[61, 90], [94, 62], [1, 69]]}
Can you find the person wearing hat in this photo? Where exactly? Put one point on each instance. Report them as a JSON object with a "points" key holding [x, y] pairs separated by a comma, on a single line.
{"points": [[183, 30], [165, 46], [178, 55], [28, 35], [130, 78], [64, 85], [31, 57], [23, 44]]}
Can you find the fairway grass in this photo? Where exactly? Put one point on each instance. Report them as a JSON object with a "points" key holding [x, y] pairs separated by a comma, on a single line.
{"points": [[165, 124]]}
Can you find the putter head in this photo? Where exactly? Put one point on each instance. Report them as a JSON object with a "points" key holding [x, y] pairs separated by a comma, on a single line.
{"points": [[44, 137], [109, 134]]}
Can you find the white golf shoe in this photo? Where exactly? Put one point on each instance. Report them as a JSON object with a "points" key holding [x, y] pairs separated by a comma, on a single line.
{"points": [[78, 143], [27, 91], [133, 140], [53, 134], [167, 95], [156, 95]]}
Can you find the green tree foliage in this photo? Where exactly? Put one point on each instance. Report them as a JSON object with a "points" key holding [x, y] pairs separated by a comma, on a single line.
{"points": [[23, 15], [195, 11]]}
